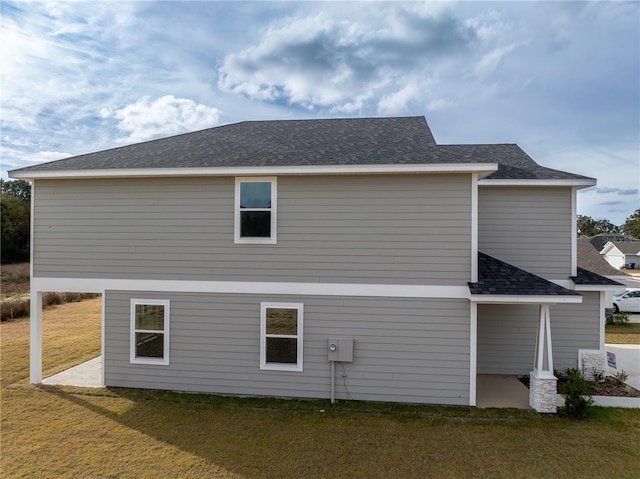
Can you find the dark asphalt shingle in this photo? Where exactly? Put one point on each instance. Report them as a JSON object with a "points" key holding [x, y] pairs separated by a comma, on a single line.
{"points": [[330, 142], [496, 277], [590, 259], [590, 278]]}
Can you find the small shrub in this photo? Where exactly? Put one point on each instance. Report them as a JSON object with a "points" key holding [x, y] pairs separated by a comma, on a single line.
{"points": [[621, 318], [577, 394], [620, 376], [598, 375]]}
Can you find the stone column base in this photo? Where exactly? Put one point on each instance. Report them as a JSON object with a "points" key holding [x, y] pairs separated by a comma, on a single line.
{"points": [[592, 364], [542, 393]]}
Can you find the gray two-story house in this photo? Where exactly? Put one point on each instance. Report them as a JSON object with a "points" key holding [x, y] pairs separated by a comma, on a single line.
{"points": [[255, 258]]}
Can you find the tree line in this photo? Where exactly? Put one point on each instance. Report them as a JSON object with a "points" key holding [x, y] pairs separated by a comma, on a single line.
{"points": [[16, 211], [590, 227]]}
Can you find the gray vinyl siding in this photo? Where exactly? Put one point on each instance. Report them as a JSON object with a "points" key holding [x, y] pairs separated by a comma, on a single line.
{"points": [[405, 350], [507, 334], [349, 228], [528, 227]]}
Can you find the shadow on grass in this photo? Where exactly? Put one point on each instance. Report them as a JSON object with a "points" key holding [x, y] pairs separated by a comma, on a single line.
{"points": [[264, 437]]}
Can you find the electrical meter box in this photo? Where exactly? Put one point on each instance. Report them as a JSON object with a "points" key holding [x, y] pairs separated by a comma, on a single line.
{"points": [[341, 349]]}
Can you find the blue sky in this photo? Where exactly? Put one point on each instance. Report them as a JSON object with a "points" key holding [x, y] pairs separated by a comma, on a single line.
{"points": [[561, 79]]}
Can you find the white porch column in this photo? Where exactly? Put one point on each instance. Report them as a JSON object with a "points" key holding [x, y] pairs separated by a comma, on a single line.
{"points": [[35, 338], [542, 386]]}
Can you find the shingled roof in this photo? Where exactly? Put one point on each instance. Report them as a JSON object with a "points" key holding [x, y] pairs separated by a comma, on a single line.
{"points": [[590, 259], [496, 277], [590, 278], [627, 247], [327, 142]]}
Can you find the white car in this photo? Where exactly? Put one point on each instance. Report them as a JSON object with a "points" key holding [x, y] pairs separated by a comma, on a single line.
{"points": [[628, 301]]}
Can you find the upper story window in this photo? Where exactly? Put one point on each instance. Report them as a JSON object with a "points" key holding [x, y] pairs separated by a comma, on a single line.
{"points": [[255, 210]]}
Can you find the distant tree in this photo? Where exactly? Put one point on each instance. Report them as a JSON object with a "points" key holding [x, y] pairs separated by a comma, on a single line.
{"points": [[17, 188], [632, 225], [15, 210], [590, 227]]}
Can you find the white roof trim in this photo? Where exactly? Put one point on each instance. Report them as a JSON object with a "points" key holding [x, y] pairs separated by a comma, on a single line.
{"points": [[578, 183], [524, 299], [481, 168], [596, 287], [98, 285]]}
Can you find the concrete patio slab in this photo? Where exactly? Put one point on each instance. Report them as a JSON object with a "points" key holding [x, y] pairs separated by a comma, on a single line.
{"points": [[495, 390], [86, 375]]}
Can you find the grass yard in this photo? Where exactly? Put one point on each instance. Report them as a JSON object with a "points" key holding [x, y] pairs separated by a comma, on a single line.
{"points": [[67, 432], [622, 333]]}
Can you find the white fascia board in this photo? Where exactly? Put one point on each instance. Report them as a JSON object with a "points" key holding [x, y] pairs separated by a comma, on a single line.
{"points": [[480, 168], [576, 183], [508, 299], [608, 247], [596, 287], [96, 285]]}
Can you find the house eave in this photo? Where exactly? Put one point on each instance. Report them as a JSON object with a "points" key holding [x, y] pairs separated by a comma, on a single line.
{"points": [[577, 183], [597, 287], [482, 169], [524, 299]]}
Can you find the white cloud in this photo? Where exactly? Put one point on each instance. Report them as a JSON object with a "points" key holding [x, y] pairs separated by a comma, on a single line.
{"points": [[349, 65], [147, 119], [490, 61]]}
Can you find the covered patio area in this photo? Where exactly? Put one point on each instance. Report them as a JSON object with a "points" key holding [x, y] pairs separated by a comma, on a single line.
{"points": [[86, 375], [498, 390]]}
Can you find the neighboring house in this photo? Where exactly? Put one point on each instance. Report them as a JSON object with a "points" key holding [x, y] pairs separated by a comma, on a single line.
{"points": [[598, 241], [622, 253], [250, 258], [591, 260]]}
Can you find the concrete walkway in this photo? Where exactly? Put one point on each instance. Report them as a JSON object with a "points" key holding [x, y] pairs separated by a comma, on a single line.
{"points": [[86, 375]]}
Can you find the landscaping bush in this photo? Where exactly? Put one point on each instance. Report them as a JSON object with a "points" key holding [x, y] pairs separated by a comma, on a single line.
{"points": [[620, 318], [577, 394]]}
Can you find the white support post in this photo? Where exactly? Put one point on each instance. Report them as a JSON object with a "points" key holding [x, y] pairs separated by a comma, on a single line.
{"points": [[473, 353], [35, 338], [542, 387]]}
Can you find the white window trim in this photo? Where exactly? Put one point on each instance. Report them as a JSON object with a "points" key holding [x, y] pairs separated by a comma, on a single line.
{"points": [[274, 209], [263, 337], [164, 361]]}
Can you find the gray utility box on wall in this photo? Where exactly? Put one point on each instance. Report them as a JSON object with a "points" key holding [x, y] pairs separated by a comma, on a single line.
{"points": [[341, 349]]}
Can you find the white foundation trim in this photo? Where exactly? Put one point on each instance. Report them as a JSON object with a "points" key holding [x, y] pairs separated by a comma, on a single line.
{"points": [[95, 285]]}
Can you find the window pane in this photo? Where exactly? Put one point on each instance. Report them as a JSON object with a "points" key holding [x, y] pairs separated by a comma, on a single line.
{"points": [[282, 321], [282, 350], [149, 345], [150, 316], [255, 224], [255, 195]]}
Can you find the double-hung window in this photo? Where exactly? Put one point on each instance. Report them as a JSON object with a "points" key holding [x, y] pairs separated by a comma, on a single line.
{"points": [[281, 336], [149, 331], [255, 210]]}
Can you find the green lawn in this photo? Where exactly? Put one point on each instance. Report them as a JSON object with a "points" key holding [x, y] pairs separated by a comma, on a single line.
{"points": [[622, 333], [121, 433]]}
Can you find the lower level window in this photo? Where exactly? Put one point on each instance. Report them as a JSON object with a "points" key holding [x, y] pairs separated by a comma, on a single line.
{"points": [[149, 331], [281, 336]]}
